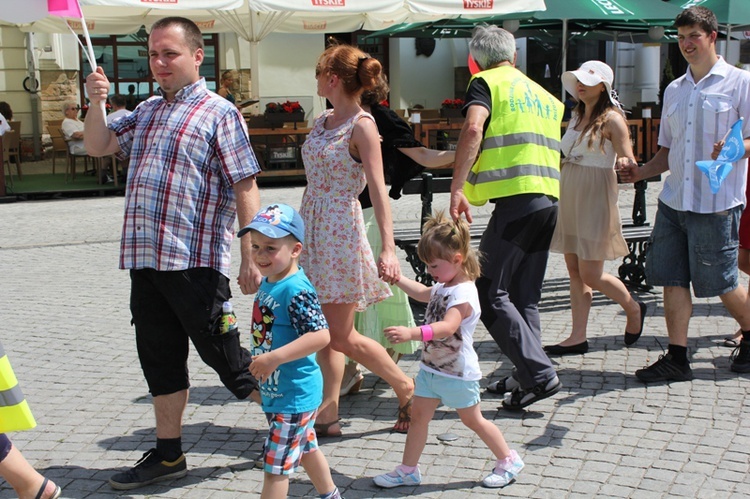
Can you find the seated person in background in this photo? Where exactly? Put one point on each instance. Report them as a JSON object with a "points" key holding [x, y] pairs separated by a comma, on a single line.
{"points": [[72, 129], [119, 108], [4, 126], [225, 90], [6, 111]]}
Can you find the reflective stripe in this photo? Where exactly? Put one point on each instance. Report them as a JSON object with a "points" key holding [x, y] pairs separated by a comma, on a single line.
{"points": [[477, 178], [514, 139], [7, 378], [15, 414], [11, 397]]}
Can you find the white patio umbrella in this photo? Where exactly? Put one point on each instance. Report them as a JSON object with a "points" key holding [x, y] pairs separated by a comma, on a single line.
{"points": [[253, 20], [335, 16]]}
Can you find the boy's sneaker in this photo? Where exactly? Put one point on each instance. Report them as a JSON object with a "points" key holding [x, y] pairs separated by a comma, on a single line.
{"points": [[397, 478], [149, 469], [505, 472], [665, 369], [741, 358], [519, 398]]}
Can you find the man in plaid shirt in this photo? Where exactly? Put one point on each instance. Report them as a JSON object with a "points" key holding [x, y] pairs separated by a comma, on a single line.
{"points": [[192, 171]]}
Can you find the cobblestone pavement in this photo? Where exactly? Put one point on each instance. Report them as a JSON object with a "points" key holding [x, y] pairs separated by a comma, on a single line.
{"points": [[65, 325]]}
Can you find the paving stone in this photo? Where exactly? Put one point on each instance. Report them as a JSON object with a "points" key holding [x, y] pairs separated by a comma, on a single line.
{"points": [[66, 327]]}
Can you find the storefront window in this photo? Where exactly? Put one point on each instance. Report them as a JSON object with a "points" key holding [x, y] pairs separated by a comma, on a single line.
{"points": [[124, 59]]}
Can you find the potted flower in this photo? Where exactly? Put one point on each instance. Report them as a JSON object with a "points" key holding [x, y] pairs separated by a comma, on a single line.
{"points": [[278, 113], [451, 108]]}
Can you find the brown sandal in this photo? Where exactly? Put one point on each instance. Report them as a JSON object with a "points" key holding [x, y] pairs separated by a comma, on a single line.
{"points": [[323, 430], [404, 416]]}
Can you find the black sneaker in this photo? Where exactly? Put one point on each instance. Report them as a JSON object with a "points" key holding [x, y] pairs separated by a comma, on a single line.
{"points": [[741, 358], [665, 369], [149, 469]]}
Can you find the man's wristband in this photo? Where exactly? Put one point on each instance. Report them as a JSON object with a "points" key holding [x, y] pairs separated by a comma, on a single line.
{"points": [[427, 332]]}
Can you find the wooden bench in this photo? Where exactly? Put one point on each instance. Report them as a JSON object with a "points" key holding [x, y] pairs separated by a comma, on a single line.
{"points": [[636, 230]]}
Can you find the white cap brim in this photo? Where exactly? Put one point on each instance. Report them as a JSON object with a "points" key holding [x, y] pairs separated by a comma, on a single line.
{"points": [[571, 78]]}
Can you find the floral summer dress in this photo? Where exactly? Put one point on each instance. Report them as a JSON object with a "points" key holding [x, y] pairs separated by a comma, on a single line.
{"points": [[588, 219], [336, 256]]}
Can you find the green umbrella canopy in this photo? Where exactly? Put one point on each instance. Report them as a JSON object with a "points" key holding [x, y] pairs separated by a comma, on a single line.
{"points": [[727, 11], [606, 15], [462, 28], [636, 11]]}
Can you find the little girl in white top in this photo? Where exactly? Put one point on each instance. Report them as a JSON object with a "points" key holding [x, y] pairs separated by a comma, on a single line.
{"points": [[449, 372]]}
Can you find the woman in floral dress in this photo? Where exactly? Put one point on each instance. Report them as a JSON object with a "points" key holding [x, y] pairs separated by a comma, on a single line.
{"points": [[341, 154]]}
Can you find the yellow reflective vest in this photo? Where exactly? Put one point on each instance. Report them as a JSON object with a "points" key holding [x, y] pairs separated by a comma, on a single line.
{"points": [[521, 147], [14, 411]]}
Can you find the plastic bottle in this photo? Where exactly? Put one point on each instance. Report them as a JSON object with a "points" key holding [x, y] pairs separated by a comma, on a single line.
{"points": [[228, 319]]}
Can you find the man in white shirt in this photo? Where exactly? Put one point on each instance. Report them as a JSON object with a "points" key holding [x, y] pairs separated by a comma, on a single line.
{"points": [[72, 129], [695, 237], [119, 109]]}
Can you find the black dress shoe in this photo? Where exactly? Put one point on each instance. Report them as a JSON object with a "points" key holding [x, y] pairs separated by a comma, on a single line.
{"points": [[631, 338], [568, 350]]}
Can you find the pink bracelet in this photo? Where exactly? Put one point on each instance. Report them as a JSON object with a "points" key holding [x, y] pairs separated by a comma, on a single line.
{"points": [[427, 332]]}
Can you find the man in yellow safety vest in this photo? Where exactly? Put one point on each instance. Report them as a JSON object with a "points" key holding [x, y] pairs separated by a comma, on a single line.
{"points": [[513, 124]]}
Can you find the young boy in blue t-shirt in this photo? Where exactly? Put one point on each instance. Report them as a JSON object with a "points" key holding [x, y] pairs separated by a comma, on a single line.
{"points": [[288, 329]]}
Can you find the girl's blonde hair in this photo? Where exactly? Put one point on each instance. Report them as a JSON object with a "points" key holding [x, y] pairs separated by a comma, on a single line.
{"points": [[442, 238]]}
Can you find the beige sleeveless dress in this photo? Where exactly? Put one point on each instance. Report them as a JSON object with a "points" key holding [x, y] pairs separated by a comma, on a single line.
{"points": [[588, 220]]}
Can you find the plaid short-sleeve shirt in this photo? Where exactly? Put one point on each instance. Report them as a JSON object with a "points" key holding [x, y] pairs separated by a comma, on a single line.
{"points": [[185, 155]]}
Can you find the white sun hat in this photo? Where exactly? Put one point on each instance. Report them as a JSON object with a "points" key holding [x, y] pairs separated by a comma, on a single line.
{"points": [[590, 73]]}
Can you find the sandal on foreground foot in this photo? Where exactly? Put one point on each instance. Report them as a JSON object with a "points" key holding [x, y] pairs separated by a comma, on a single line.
{"points": [[55, 494], [323, 430], [404, 418], [732, 341], [520, 398], [352, 383]]}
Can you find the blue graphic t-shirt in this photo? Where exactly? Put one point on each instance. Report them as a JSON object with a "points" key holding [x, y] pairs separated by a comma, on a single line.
{"points": [[282, 312]]}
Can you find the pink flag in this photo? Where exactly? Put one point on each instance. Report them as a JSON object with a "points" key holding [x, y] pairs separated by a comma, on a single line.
{"points": [[64, 8]]}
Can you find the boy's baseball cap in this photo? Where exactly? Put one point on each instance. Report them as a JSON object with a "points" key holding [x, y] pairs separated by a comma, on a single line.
{"points": [[276, 221]]}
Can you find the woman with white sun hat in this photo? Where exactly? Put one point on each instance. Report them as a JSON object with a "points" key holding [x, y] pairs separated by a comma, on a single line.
{"points": [[588, 232]]}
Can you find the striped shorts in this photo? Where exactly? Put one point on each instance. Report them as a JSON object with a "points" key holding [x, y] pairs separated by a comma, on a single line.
{"points": [[290, 436]]}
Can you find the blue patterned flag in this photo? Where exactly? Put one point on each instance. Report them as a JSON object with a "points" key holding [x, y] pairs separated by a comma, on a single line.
{"points": [[734, 149]]}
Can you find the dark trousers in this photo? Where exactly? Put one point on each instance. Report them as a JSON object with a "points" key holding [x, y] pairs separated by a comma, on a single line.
{"points": [[515, 260], [171, 309]]}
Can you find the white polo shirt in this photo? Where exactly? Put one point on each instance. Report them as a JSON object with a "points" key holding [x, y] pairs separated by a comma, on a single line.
{"points": [[694, 117]]}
